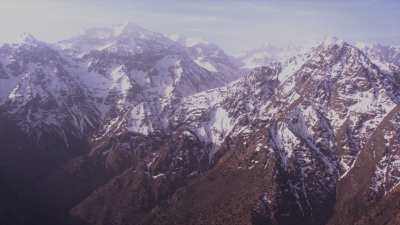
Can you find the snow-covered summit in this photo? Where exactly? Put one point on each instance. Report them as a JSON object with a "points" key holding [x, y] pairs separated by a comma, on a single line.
{"points": [[127, 37], [127, 27], [29, 40], [332, 40]]}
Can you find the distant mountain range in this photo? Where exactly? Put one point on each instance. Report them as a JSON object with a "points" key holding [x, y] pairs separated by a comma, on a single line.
{"points": [[125, 126]]}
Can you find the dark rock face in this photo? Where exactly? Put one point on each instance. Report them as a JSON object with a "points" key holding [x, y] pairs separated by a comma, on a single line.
{"points": [[130, 128], [129, 196]]}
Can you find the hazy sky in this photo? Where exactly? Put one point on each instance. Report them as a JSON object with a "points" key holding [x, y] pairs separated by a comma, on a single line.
{"points": [[233, 24]]}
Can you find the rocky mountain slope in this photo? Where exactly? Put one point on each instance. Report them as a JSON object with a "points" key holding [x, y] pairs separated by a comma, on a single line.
{"points": [[126, 126]]}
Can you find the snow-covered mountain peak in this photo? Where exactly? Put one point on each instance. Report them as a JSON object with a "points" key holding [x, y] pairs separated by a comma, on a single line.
{"points": [[133, 31], [208, 56], [363, 45], [190, 42], [127, 37], [332, 41], [332, 50], [28, 39], [127, 27], [112, 32]]}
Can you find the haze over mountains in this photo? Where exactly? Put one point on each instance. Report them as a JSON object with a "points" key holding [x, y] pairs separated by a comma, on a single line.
{"points": [[127, 126]]}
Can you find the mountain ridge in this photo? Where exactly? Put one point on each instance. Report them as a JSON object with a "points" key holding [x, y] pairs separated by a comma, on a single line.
{"points": [[150, 131]]}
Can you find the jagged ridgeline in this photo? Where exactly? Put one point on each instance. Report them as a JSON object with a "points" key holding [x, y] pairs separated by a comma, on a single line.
{"points": [[126, 126]]}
